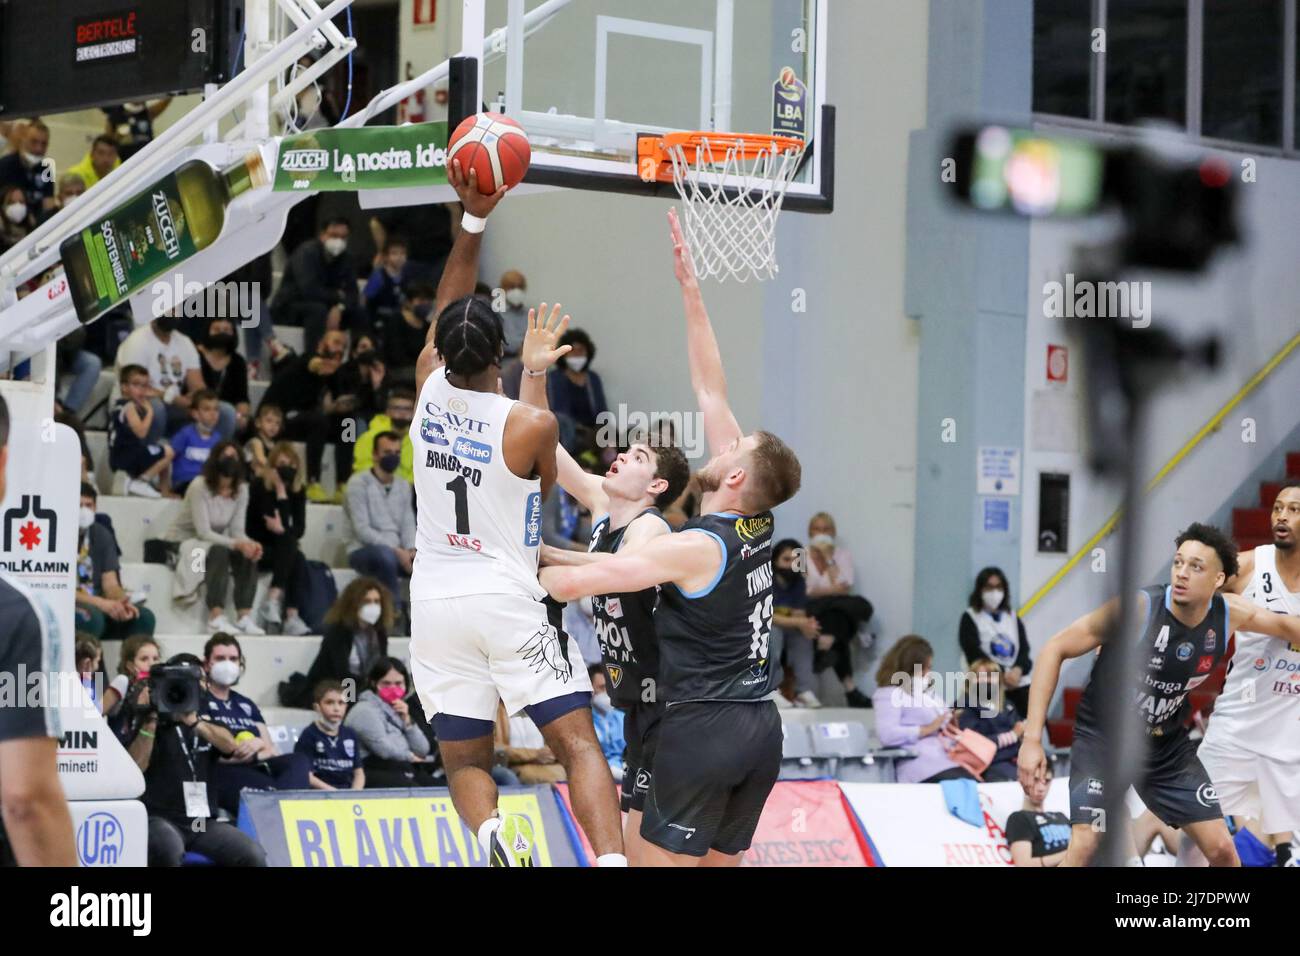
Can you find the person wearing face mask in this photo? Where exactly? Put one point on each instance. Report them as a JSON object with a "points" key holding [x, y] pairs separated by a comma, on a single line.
{"points": [[394, 748], [576, 394], [318, 290], [406, 332], [255, 763], [333, 749], [104, 607], [800, 633], [991, 630], [277, 518], [383, 291], [840, 613], [397, 417], [988, 712], [911, 713], [379, 507], [216, 556], [608, 721], [224, 369], [16, 219], [29, 168], [514, 318], [356, 635]]}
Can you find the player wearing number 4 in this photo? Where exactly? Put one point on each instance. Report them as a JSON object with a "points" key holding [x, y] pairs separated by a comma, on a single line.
{"points": [[720, 737], [625, 506], [1185, 635], [481, 630]]}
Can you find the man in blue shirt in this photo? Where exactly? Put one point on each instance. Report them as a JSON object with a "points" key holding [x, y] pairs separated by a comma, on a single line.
{"points": [[608, 720], [333, 749]]}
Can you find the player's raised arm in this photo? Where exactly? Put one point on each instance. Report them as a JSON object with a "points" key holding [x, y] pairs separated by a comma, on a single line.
{"points": [[688, 560], [1084, 635], [1245, 615], [708, 378], [538, 353]]}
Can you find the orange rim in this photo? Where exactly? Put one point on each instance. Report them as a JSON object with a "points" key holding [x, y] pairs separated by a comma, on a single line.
{"points": [[654, 160]]}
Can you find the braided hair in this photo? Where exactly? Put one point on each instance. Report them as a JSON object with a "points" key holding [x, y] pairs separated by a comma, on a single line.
{"points": [[469, 336]]}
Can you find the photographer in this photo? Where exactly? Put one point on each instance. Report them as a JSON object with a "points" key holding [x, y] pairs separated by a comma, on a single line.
{"points": [[177, 751]]}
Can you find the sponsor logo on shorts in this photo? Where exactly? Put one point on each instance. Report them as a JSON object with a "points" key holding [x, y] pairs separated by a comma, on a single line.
{"points": [[1205, 665], [1094, 786], [1185, 650], [750, 528], [533, 520], [642, 783], [1211, 640], [432, 432], [615, 674], [689, 831], [1206, 795], [473, 450]]}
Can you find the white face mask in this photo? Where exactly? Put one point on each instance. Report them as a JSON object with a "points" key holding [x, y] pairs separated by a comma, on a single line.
{"points": [[225, 673], [31, 159], [335, 246], [16, 211], [822, 541], [576, 363], [370, 613], [601, 702], [331, 725], [993, 599], [85, 518], [515, 297]]}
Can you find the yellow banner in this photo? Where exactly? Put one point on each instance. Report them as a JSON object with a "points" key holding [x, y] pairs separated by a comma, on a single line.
{"points": [[406, 831]]}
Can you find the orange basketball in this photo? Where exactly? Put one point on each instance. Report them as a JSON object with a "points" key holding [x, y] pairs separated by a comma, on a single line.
{"points": [[494, 146]]}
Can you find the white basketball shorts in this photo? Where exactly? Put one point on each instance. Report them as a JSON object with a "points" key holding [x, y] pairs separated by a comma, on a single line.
{"points": [[1249, 785]]}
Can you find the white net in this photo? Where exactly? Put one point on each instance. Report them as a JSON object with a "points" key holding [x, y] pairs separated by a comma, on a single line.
{"points": [[733, 235]]}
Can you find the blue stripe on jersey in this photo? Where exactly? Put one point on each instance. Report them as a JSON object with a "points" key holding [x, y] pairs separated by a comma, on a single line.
{"points": [[722, 566], [1169, 590]]}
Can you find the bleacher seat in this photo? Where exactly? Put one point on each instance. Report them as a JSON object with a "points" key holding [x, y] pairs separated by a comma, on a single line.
{"points": [[101, 400], [290, 336], [799, 761], [256, 392]]}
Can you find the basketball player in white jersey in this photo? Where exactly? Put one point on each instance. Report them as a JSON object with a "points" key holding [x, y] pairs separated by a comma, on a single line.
{"points": [[480, 630], [1252, 747]]}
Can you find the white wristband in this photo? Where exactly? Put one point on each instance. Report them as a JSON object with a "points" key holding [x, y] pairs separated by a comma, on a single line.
{"points": [[472, 224]]}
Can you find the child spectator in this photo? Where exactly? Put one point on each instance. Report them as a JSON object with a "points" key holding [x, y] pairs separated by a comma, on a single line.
{"points": [[129, 449], [277, 518], [103, 607], [90, 658], [332, 748], [194, 443], [266, 432]]}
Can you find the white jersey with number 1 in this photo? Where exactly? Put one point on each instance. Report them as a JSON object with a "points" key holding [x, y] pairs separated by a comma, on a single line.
{"points": [[1259, 709], [479, 524]]}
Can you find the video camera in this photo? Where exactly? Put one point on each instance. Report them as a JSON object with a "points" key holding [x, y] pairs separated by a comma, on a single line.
{"points": [[175, 688]]}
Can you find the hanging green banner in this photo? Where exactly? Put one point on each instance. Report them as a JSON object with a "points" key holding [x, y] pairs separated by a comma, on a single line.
{"points": [[369, 157]]}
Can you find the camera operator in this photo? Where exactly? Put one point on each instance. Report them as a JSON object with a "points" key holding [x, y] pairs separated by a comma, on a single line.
{"points": [[177, 751]]}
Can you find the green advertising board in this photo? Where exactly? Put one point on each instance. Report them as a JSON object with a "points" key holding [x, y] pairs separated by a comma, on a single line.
{"points": [[378, 157]]}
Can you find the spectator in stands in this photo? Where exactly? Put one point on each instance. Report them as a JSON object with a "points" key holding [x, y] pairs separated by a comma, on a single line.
{"points": [[334, 750], [909, 714], [365, 377], [277, 519], [520, 748], [318, 290], [174, 752], [130, 446], [992, 715], [224, 370], [255, 763], [576, 394], [514, 318], [396, 419], [991, 630], [608, 720], [211, 529], [383, 519], [126, 699], [175, 374], [799, 633], [393, 747], [406, 332], [356, 634], [427, 228], [16, 219], [315, 411], [194, 443], [90, 660], [79, 368], [383, 291], [131, 124], [104, 608], [100, 160], [1037, 836], [29, 168], [267, 425], [69, 187], [839, 612]]}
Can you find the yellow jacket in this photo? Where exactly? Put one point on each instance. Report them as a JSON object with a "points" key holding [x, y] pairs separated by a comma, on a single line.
{"points": [[363, 456], [86, 170]]}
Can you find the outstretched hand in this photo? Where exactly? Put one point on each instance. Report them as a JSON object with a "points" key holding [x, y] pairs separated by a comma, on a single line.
{"points": [[539, 350], [683, 267], [475, 203]]}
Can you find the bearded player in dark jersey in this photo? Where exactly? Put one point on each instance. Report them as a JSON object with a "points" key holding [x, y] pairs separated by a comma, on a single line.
{"points": [[1184, 637], [626, 507], [719, 747]]}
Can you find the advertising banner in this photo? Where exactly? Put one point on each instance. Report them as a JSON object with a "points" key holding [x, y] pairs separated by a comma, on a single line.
{"points": [[417, 827], [111, 832], [807, 823], [371, 157]]}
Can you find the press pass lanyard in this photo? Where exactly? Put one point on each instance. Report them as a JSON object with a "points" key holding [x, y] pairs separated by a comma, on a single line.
{"points": [[194, 790]]}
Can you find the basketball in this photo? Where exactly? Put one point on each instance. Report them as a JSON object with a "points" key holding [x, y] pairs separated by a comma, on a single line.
{"points": [[494, 146]]}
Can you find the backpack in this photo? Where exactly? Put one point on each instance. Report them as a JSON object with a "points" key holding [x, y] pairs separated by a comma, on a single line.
{"points": [[317, 593]]}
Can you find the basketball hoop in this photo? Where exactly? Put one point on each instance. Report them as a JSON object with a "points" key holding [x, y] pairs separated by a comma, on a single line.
{"points": [[730, 230]]}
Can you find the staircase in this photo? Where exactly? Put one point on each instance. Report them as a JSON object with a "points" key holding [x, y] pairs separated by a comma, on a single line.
{"points": [[1251, 527]]}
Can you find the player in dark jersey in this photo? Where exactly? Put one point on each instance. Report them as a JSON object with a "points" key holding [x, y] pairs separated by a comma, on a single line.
{"points": [[719, 747], [626, 507], [35, 812], [1183, 639]]}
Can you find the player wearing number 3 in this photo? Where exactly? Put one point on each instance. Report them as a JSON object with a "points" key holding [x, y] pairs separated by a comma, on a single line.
{"points": [[719, 748]]}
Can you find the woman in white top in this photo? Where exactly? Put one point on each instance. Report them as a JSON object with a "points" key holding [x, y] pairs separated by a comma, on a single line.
{"points": [[990, 630], [831, 600]]}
